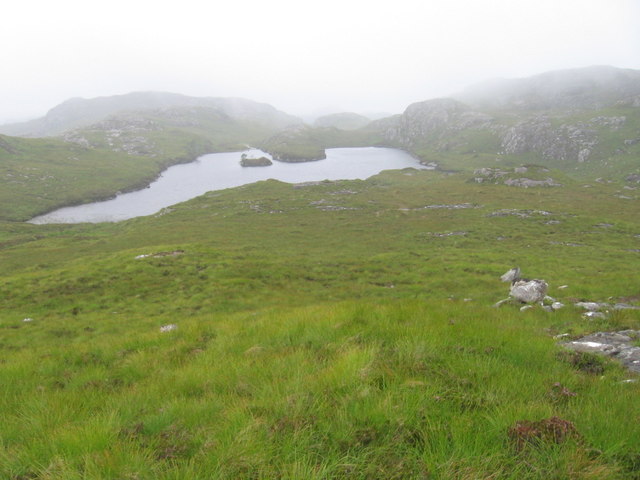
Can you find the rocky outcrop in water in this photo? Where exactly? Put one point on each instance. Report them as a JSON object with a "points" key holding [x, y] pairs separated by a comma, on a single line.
{"points": [[255, 162]]}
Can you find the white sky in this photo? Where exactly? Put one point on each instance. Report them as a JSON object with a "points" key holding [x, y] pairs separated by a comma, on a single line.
{"points": [[302, 57]]}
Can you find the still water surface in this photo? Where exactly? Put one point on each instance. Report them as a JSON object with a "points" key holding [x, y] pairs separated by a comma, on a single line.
{"points": [[218, 171]]}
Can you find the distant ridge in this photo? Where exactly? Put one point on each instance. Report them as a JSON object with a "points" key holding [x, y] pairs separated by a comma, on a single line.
{"points": [[574, 89], [343, 121], [79, 112]]}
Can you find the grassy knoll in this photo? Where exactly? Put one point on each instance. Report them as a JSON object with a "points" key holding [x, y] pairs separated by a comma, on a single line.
{"points": [[342, 330]]}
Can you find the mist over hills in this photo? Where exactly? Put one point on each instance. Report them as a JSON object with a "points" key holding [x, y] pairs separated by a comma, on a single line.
{"points": [[575, 89], [585, 121], [78, 112], [343, 121]]}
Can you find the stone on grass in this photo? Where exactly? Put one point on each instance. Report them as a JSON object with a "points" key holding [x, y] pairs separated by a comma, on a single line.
{"points": [[168, 328], [619, 345], [501, 302], [625, 306], [591, 306], [511, 276], [529, 291]]}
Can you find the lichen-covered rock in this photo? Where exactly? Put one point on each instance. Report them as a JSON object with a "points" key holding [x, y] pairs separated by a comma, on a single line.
{"points": [[529, 291]]}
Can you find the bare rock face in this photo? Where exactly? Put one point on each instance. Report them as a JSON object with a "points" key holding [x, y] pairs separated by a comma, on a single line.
{"points": [[566, 142], [434, 119], [529, 291]]}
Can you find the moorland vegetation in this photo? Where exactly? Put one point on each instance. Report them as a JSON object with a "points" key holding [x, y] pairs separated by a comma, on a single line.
{"points": [[307, 342]]}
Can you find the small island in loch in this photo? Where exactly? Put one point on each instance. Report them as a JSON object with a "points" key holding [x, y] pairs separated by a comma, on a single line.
{"points": [[246, 161]]}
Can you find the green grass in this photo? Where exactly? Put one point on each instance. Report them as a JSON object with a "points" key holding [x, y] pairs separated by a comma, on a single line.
{"points": [[355, 343], [352, 390]]}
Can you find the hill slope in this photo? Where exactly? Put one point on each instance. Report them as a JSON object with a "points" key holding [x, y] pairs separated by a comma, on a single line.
{"points": [[590, 88], [314, 343], [78, 112], [124, 151], [585, 122]]}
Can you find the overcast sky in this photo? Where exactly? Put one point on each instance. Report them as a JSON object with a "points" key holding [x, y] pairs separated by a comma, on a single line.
{"points": [[303, 57]]}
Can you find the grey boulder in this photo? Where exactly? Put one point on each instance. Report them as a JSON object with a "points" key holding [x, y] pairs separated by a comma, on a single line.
{"points": [[529, 291]]}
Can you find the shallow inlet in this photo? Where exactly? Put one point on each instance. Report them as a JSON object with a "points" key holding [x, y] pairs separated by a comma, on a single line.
{"points": [[218, 171]]}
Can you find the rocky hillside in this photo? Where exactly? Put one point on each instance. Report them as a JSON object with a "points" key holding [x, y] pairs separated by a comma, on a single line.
{"points": [[172, 132], [583, 121], [78, 112]]}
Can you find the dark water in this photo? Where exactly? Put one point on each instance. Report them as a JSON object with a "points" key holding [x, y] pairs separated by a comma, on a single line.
{"points": [[218, 171]]}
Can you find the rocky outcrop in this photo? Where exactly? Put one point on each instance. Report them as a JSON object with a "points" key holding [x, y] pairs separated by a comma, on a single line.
{"points": [[618, 345], [510, 176], [633, 178], [565, 143], [433, 119], [528, 182], [126, 133]]}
